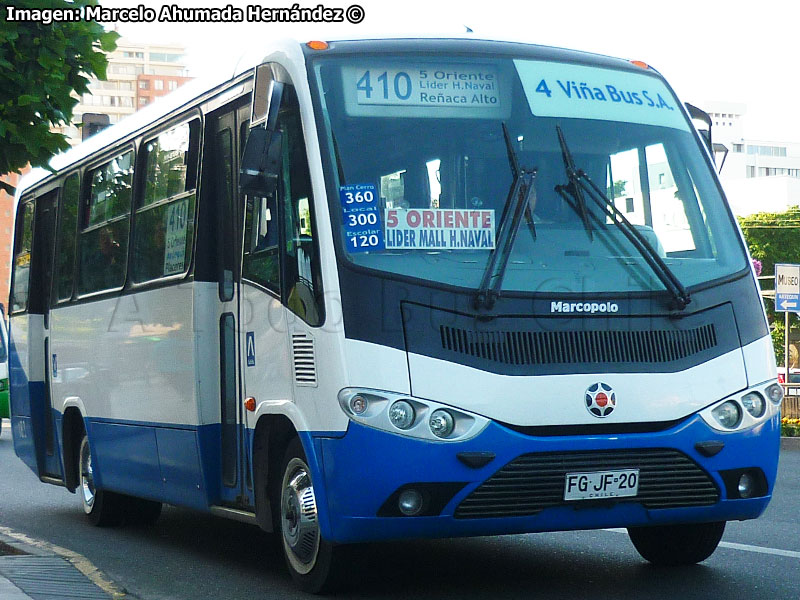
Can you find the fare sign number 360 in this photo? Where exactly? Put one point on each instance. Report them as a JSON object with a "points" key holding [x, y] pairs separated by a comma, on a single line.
{"points": [[361, 217]]}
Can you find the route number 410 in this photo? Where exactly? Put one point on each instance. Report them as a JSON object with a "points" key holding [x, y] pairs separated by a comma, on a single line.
{"points": [[399, 85]]}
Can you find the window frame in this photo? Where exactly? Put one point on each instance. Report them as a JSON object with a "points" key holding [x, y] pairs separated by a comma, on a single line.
{"points": [[55, 298], [139, 177], [84, 208], [283, 201], [27, 200]]}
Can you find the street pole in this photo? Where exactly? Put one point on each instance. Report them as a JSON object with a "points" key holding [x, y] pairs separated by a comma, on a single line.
{"points": [[786, 346]]}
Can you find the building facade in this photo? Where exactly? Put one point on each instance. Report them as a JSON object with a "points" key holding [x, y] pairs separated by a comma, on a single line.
{"points": [[758, 175], [137, 73]]}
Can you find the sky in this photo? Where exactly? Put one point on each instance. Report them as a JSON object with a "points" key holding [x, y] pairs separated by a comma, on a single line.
{"points": [[745, 52]]}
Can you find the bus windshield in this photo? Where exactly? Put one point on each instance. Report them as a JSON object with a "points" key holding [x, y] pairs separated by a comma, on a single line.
{"points": [[424, 173]]}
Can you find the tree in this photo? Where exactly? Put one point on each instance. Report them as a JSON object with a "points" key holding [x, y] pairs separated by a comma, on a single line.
{"points": [[43, 69], [618, 189], [773, 238]]}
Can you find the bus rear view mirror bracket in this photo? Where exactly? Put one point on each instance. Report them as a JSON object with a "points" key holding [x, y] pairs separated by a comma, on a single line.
{"points": [[260, 163], [262, 153], [702, 117]]}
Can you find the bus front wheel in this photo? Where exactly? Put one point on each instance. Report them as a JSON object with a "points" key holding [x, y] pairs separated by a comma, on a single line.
{"points": [[312, 561], [101, 507], [672, 545]]}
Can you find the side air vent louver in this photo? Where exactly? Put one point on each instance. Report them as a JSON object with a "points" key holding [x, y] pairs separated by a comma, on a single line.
{"points": [[579, 347], [303, 356]]}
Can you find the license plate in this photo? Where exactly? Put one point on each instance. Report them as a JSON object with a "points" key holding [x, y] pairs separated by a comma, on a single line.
{"points": [[601, 485]]}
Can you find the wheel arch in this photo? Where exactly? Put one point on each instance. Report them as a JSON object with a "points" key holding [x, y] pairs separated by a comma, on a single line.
{"points": [[72, 430], [271, 437]]}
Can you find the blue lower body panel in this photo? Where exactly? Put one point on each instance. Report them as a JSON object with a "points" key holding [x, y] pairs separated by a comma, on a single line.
{"points": [[160, 463], [364, 468]]}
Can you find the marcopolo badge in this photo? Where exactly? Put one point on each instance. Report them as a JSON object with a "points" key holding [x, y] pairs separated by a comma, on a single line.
{"points": [[600, 400]]}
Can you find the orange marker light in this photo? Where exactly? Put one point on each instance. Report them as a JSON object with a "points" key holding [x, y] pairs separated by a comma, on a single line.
{"points": [[317, 45], [250, 404], [640, 64]]}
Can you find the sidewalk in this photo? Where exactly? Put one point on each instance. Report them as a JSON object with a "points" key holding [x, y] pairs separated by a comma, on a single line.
{"points": [[30, 571]]}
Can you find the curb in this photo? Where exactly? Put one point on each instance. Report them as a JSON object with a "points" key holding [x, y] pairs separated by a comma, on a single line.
{"points": [[40, 548], [790, 443]]}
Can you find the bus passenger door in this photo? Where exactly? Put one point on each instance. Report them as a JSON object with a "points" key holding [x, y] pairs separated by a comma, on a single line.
{"points": [[41, 406], [224, 163]]}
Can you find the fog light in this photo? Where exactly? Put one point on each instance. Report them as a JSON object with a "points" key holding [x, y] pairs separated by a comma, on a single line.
{"points": [[746, 484], [775, 393], [754, 404], [728, 414], [410, 502], [359, 404], [401, 414], [441, 423]]}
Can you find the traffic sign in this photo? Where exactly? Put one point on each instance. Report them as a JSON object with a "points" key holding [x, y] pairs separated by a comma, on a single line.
{"points": [[787, 288]]}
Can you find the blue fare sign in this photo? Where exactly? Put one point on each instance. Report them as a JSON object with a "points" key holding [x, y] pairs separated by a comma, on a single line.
{"points": [[361, 217], [581, 92]]}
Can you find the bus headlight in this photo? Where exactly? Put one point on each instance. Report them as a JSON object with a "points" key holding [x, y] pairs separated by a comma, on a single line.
{"points": [[775, 393], [359, 404], [728, 414], [441, 423], [746, 409], [754, 404], [402, 414]]}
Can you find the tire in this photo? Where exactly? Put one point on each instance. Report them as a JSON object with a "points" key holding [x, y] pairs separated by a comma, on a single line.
{"points": [[102, 508], [672, 545], [313, 562], [139, 512]]}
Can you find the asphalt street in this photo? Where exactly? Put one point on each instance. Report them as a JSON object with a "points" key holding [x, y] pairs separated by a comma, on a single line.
{"points": [[189, 555]]}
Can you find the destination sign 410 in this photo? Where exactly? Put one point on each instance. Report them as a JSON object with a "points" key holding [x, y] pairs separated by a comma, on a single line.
{"points": [[448, 89]]}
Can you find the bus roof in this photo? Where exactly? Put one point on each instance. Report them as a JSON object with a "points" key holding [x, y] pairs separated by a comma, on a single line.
{"points": [[197, 88]]}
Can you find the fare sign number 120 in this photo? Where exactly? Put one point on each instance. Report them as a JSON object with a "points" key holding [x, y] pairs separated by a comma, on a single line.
{"points": [[361, 217]]}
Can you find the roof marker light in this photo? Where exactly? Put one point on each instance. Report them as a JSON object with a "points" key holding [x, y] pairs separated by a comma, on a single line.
{"points": [[317, 45], [640, 64]]}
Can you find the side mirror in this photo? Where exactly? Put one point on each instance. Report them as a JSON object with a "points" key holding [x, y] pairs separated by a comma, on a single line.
{"points": [[702, 117], [262, 152]]}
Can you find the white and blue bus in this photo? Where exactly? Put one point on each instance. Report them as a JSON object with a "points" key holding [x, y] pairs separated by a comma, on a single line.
{"points": [[410, 288]]}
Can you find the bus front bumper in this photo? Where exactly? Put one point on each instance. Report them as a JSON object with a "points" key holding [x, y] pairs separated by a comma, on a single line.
{"points": [[366, 470]]}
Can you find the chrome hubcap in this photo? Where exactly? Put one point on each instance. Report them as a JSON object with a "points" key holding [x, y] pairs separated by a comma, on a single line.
{"points": [[299, 524], [87, 477]]}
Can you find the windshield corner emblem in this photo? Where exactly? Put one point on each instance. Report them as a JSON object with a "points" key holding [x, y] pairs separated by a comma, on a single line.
{"points": [[600, 400]]}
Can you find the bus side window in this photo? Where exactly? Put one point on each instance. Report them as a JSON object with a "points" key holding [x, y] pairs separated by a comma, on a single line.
{"points": [[301, 255], [67, 230], [22, 256], [261, 242], [104, 239], [261, 234], [165, 216]]}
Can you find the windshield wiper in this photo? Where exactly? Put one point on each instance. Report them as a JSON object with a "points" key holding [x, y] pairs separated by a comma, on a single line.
{"points": [[573, 188], [580, 183], [521, 202]]}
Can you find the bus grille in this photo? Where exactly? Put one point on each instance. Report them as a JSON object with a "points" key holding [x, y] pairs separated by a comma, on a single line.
{"points": [[579, 347], [533, 482]]}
